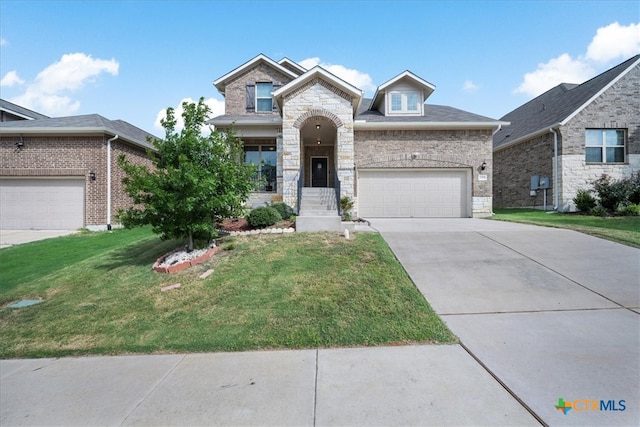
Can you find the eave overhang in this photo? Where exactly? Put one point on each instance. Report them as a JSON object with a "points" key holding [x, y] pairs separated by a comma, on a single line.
{"points": [[363, 125], [319, 72], [221, 82], [75, 131]]}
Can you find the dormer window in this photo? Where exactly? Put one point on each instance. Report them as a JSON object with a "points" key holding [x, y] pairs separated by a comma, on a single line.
{"points": [[264, 101], [404, 102]]}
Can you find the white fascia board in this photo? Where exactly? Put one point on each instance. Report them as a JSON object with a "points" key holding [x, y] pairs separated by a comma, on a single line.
{"points": [[600, 92], [425, 85], [294, 64], [69, 131], [535, 134], [227, 122], [15, 113], [250, 64], [364, 125]]}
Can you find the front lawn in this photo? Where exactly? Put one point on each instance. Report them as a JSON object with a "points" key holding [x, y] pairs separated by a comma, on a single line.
{"points": [[621, 229], [100, 296]]}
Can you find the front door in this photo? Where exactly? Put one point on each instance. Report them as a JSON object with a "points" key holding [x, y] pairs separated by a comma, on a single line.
{"points": [[319, 172]]}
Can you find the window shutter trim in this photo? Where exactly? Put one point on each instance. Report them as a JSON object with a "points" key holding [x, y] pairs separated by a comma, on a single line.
{"points": [[251, 97]]}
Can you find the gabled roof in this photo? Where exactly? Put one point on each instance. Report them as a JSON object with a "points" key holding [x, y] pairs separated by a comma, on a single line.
{"points": [[557, 106], [435, 117], [427, 88], [221, 82], [293, 66], [319, 72], [19, 111], [84, 124]]}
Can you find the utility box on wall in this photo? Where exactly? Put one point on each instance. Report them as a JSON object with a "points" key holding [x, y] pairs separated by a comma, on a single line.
{"points": [[540, 183]]}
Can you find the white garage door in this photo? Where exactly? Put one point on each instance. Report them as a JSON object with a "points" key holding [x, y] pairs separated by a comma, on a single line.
{"points": [[414, 193], [41, 204]]}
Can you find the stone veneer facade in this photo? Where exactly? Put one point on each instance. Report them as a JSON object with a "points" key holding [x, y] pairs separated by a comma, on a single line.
{"points": [[312, 100], [617, 108], [74, 157]]}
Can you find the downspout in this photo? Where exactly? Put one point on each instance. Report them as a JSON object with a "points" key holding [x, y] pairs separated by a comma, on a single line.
{"points": [[556, 190], [109, 181]]}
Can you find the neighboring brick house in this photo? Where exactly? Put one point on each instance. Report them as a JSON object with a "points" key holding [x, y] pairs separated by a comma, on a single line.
{"points": [[62, 173], [394, 155], [572, 134]]}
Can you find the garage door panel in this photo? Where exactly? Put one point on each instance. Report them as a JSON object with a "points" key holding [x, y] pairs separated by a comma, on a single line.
{"points": [[414, 193], [45, 204]]}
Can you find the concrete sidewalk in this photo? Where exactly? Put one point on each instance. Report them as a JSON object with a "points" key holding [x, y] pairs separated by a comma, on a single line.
{"points": [[551, 313], [16, 237], [409, 385]]}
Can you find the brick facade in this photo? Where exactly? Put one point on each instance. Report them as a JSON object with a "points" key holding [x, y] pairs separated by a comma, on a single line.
{"points": [[73, 156], [617, 108], [431, 149], [235, 100]]}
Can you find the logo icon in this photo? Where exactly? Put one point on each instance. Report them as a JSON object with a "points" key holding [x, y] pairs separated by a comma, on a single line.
{"points": [[563, 406]]}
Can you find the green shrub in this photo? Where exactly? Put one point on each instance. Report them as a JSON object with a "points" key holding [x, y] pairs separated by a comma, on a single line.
{"points": [[619, 193], [283, 209], [263, 217], [598, 211], [584, 201], [632, 209], [346, 204]]}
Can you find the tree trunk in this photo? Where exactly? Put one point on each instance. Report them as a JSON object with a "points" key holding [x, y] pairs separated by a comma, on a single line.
{"points": [[190, 247]]}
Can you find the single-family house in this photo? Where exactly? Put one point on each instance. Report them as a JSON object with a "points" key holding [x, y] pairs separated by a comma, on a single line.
{"points": [[572, 135], [315, 138], [62, 173]]}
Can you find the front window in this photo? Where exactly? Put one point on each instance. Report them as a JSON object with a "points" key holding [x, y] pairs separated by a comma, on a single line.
{"points": [[264, 157], [605, 145], [264, 101], [404, 102]]}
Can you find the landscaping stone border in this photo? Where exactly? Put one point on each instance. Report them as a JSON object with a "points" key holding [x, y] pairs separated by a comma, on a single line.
{"points": [[262, 231], [182, 265]]}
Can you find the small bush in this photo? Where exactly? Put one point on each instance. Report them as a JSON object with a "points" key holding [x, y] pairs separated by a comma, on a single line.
{"points": [[619, 193], [598, 211], [283, 209], [346, 204], [584, 201], [632, 209], [263, 217]]}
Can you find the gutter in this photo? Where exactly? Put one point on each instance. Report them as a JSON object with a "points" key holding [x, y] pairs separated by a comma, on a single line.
{"points": [[109, 180], [555, 169], [363, 125]]}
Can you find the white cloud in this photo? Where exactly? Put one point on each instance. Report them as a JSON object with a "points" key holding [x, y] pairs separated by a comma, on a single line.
{"points": [[11, 79], [614, 41], [216, 106], [470, 86], [48, 93], [357, 78], [3, 42], [610, 42], [562, 69]]}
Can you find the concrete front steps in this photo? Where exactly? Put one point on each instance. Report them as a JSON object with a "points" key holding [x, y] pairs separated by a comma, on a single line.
{"points": [[318, 211]]}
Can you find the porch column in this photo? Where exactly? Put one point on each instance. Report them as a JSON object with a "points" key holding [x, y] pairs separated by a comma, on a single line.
{"points": [[290, 163], [279, 168]]}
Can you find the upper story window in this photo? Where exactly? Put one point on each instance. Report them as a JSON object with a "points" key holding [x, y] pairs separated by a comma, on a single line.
{"points": [[405, 102], [605, 145], [264, 101]]}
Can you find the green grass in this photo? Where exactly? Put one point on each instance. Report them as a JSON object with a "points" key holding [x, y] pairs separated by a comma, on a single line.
{"points": [[100, 296], [624, 229]]}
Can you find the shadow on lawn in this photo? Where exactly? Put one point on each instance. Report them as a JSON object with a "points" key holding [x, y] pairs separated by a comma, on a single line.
{"points": [[140, 254]]}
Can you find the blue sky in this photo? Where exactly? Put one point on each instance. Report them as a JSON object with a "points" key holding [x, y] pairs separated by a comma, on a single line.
{"points": [[130, 60]]}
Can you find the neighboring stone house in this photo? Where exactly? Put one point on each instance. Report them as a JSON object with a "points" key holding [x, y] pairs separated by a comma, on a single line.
{"points": [[571, 134], [393, 155], [62, 173]]}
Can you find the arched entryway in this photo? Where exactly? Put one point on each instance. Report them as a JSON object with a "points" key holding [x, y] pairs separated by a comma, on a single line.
{"points": [[319, 151]]}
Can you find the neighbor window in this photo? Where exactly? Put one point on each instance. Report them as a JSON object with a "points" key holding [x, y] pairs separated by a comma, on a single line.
{"points": [[264, 157], [605, 145], [404, 102], [263, 97]]}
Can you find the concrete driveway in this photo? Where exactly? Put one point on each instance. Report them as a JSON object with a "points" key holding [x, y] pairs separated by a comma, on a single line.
{"points": [[550, 313], [16, 237]]}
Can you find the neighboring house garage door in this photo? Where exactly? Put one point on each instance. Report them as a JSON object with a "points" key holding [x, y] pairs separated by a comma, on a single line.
{"points": [[414, 193], [41, 204]]}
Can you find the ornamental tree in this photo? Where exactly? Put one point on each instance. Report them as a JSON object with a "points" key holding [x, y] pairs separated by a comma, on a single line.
{"points": [[196, 180]]}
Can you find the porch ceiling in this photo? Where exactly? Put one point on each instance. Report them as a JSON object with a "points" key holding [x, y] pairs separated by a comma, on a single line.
{"points": [[309, 133]]}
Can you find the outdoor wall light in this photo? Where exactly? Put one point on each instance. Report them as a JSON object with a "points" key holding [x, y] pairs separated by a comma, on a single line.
{"points": [[483, 166], [92, 176], [20, 144]]}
